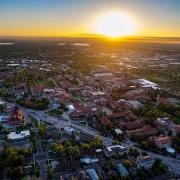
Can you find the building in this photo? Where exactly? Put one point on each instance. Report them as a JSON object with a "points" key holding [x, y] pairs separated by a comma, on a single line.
{"points": [[146, 84], [88, 160], [145, 162], [138, 95], [13, 136], [163, 123], [162, 142], [116, 149], [145, 131], [131, 125]]}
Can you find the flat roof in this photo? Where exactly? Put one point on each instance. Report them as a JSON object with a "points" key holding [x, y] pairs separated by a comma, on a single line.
{"points": [[21, 135], [110, 148]]}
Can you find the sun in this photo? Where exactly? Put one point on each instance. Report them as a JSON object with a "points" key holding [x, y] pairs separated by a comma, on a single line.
{"points": [[114, 24]]}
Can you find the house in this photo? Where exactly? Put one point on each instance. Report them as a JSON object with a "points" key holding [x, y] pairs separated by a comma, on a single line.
{"points": [[122, 170], [145, 131], [162, 141], [145, 162]]}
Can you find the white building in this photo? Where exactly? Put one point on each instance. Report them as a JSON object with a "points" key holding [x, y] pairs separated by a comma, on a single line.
{"points": [[18, 136]]}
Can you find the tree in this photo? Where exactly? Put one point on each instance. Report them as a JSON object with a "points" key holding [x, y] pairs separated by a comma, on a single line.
{"points": [[16, 173], [13, 158], [58, 148], [158, 167], [85, 147], [109, 164], [37, 169], [67, 144], [42, 129], [96, 143], [2, 108], [4, 93], [133, 152], [176, 142], [71, 150]]}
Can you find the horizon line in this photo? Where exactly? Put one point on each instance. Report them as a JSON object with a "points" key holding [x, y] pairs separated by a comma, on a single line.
{"points": [[157, 39]]}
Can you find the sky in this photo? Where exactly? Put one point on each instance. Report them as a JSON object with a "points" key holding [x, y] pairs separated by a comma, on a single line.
{"points": [[77, 17]]}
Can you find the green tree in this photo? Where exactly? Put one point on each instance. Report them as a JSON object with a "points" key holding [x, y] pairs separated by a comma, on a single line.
{"points": [[96, 143], [158, 167], [85, 147], [42, 129], [58, 148], [2, 108]]}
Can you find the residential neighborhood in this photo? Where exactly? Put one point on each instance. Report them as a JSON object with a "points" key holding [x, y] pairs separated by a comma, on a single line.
{"points": [[65, 120]]}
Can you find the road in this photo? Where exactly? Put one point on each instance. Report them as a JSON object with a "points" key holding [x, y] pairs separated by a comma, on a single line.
{"points": [[40, 157], [62, 123]]}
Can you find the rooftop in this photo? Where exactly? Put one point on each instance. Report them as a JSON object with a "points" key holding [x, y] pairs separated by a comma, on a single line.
{"points": [[21, 135]]}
